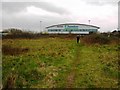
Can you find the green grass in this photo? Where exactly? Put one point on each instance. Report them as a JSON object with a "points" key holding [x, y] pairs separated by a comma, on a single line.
{"points": [[50, 61], [92, 72]]}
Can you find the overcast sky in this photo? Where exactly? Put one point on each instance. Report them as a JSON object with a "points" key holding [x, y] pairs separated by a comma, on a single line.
{"points": [[27, 15]]}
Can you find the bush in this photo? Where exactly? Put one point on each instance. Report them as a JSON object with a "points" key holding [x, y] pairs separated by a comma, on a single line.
{"points": [[17, 33], [95, 39]]}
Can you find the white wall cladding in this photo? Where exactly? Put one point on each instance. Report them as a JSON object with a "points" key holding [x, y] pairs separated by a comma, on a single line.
{"points": [[80, 32], [86, 27], [58, 32]]}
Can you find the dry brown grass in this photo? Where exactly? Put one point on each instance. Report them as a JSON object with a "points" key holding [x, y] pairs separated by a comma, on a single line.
{"points": [[9, 50]]}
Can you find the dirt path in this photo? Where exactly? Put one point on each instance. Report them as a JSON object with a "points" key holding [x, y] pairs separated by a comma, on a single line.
{"points": [[71, 76]]}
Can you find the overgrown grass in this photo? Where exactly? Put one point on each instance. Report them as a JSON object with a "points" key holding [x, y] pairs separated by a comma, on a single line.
{"points": [[45, 57], [98, 67], [48, 62]]}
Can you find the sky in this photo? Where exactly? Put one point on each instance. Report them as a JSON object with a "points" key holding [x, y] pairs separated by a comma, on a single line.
{"points": [[35, 15]]}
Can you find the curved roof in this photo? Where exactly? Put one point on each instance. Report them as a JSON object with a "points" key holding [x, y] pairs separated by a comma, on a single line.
{"points": [[73, 24]]}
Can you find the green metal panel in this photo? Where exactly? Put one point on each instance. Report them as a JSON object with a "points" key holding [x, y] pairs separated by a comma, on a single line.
{"points": [[70, 28]]}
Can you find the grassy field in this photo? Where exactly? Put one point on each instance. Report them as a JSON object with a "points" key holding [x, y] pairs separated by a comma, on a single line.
{"points": [[59, 63]]}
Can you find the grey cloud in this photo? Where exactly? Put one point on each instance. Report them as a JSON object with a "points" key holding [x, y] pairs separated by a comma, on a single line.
{"points": [[51, 7], [31, 23], [0, 16], [102, 2], [119, 15], [12, 7]]}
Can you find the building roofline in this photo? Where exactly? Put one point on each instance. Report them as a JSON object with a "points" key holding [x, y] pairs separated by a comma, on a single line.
{"points": [[73, 24]]}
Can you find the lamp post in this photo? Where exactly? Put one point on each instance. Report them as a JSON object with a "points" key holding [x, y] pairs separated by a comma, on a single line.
{"points": [[89, 21], [40, 25]]}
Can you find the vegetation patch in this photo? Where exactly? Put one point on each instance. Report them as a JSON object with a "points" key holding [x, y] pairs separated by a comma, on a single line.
{"points": [[49, 62], [9, 50], [95, 39]]}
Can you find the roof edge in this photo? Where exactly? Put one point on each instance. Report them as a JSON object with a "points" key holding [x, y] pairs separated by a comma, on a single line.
{"points": [[73, 24]]}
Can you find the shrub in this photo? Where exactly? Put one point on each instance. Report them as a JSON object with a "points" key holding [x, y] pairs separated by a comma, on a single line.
{"points": [[95, 39]]}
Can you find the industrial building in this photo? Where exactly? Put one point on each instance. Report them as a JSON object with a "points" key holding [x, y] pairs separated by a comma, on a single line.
{"points": [[73, 28]]}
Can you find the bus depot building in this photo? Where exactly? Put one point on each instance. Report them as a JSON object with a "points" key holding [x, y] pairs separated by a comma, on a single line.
{"points": [[73, 28]]}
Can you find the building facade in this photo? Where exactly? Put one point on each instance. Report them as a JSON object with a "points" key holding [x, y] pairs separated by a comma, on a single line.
{"points": [[73, 28]]}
